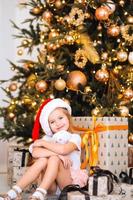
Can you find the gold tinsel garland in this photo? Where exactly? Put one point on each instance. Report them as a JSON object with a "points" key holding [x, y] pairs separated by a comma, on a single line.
{"points": [[125, 33]]}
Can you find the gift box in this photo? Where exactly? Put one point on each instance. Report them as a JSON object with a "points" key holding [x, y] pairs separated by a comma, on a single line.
{"points": [[76, 195], [20, 157], [113, 141], [95, 183]]}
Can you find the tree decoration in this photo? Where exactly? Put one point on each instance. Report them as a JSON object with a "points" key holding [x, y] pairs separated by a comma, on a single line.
{"points": [[130, 19], [124, 111], [75, 79], [113, 30], [128, 93], [60, 84], [76, 17], [13, 87], [130, 58], [80, 58], [47, 16], [102, 13], [31, 80], [122, 56], [111, 6], [102, 75], [125, 33], [41, 86]]}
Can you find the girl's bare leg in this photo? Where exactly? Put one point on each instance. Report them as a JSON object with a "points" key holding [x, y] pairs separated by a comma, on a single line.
{"points": [[50, 173], [32, 173], [63, 177]]}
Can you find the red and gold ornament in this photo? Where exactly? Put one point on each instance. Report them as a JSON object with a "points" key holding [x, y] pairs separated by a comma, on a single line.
{"points": [[102, 13], [41, 86]]}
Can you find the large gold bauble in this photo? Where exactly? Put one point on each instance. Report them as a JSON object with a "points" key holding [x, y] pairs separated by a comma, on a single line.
{"points": [[41, 86], [102, 13], [130, 57], [102, 75], [130, 138], [122, 56], [128, 93], [75, 78], [124, 111], [13, 87], [60, 84], [113, 30]]}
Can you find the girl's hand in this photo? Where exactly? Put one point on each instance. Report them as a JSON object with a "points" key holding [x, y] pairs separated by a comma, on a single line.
{"points": [[38, 143], [66, 161]]}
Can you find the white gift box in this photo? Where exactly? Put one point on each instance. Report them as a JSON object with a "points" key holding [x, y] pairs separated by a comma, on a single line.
{"points": [[113, 144], [94, 187], [76, 195], [20, 157]]}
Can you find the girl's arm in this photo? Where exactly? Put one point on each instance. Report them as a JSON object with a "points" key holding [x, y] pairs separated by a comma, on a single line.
{"points": [[40, 152], [61, 149]]}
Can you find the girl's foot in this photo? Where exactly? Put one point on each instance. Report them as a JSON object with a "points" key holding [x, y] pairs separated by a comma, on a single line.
{"points": [[39, 194], [13, 194]]}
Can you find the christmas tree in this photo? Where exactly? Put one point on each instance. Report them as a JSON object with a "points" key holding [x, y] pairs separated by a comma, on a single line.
{"points": [[84, 56]]}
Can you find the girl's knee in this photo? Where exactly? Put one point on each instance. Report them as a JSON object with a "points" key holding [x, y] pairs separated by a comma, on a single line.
{"points": [[54, 159], [42, 162]]}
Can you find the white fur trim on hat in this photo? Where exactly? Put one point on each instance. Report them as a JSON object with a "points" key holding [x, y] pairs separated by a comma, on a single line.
{"points": [[47, 109]]}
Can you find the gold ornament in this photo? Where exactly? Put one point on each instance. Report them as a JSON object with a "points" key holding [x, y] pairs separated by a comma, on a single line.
{"points": [[130, 138], [130, 58], [125, 33], [87, 46], [102, 75], [87, 89], [13, 87], [104, 56], [96, 112], [47, 16], [26, 100], [25, 42], [130, 19], [36, 11], [11, 115], [53, 34], [60, 84], [128, 93], [11, 108], [76, 17], [113, 30], [20, 52], [59, 4], [75, 78], [124, 111], [31, 80], [122, 2], [41, 86], [80, 58], [122, 56], [102, 13]]}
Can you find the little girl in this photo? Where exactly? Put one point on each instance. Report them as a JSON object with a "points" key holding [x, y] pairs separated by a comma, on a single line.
{"points": [[57, 160]]}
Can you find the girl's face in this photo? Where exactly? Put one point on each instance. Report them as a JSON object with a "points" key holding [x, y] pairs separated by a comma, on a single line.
{"points": [[58, 120]]}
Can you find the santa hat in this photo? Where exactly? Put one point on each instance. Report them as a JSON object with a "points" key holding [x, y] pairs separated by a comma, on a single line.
{"points": [[42, 116]]}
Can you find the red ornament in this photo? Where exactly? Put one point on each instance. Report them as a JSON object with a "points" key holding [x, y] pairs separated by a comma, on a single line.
{"points": [[102, 13]]}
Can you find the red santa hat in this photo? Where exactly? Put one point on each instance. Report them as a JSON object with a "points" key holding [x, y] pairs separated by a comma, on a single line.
{"points": [[42, 116]]}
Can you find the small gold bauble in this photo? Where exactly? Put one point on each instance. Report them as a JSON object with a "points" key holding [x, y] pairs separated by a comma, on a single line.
{"points": [[128, 93], [20, 52], [113, 30], [53, 34], [96, 112], [130, 19], [102, 75], [36, 11], [58, 4], [11, 108], [26, 100], [122, 56], [11, 115], [104, 56], [60, 84], [87, 89], [102, 13], [124, 111], [76, 78], [25, 43], [47, 16], [13, 87], [41, 86]]}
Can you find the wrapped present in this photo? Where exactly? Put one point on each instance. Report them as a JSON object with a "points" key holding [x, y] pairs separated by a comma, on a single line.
{"points": [[76, 195], [18, 173], [20, 157], [130, 156], [112, 133]]}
